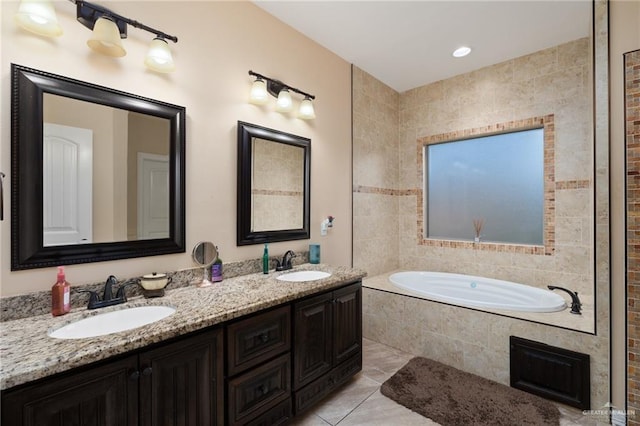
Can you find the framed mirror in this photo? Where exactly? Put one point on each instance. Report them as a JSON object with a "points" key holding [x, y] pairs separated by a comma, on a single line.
{"points": [[274, 172], [97, 174]]}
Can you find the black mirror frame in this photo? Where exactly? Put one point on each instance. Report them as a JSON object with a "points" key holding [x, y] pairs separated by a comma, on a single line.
{"points": [[27, 249], [245, 236]]}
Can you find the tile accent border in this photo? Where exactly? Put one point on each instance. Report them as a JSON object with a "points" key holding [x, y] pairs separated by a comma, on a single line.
{"points": [[550, 187], [632, 135], [276, 192]]}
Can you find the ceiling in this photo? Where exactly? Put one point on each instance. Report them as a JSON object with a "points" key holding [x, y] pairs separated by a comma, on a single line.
{"points": [[407, 44]]}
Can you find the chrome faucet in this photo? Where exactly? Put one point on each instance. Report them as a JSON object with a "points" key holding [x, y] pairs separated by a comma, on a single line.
{"points": [[575, 300], [285, 264], [95, 301]]}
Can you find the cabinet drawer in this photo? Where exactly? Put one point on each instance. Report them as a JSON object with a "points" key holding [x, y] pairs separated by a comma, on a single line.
{"points": [[258, 390], [278, 415], [258, 338]]}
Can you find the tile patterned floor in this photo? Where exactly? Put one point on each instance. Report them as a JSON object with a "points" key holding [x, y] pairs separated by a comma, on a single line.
{"points": [[359, 402]]}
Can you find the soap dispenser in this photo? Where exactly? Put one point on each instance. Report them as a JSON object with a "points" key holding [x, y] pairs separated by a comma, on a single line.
{"points": [[265, 259], [60, 295]]}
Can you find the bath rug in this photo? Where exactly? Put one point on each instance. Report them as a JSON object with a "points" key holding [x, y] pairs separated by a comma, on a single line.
{"points": [[452, 397]]}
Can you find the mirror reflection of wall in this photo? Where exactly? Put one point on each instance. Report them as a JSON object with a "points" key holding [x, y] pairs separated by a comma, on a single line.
{"points": [[277, 187], [128, 171]]}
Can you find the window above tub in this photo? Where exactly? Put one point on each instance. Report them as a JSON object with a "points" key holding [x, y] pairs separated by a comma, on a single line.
{"points": [[492, 186], [486, 188]]}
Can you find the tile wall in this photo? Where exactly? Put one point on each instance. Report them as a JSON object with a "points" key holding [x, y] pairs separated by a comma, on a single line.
{"points": [[554, 81], [375, 174], [277, 192], [388, 177]]}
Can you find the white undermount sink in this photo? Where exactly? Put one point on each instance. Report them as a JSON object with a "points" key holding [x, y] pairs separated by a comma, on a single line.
{"points": [[112, 322], [300, 276]]}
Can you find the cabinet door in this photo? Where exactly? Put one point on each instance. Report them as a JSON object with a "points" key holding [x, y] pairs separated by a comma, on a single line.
{"points": [[181, 383], [104, 395], [347, 322], [313, 339]]}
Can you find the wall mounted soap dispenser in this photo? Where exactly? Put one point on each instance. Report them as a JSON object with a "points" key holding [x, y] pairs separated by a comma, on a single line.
{"points": [[327, 223]]}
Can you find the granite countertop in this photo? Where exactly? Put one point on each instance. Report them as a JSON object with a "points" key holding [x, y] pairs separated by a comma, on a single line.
{"points": [[27, 353]]}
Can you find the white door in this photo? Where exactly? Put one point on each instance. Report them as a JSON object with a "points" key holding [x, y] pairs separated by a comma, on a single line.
{"points": [[67, 185], [153, 196]]}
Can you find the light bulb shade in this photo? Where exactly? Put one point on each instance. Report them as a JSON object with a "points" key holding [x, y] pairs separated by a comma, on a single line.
{"points": [[284, 102], [39, 17], [105, 38], [306, 111], [159, 57], [259, 94]]}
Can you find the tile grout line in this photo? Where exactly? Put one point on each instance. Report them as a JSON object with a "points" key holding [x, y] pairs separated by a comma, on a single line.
{"points": [[354, 408]]}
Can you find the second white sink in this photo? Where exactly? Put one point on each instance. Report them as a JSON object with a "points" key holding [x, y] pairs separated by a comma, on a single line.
{"points": [[300, 276], [112, 322]]}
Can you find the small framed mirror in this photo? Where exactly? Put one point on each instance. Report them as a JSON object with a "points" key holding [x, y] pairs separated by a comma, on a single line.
{"points": [[274, 173], [204, 254]]}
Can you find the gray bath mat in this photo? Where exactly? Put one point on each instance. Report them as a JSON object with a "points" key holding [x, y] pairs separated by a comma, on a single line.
{"points": [[452, 397]]}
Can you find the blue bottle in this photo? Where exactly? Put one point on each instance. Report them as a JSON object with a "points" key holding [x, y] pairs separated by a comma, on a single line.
{"points": [[265, 259]]}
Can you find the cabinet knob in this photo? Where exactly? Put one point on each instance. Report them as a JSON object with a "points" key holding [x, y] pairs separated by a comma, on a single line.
{"points": [[263, 390], [147, 371], [135, 375], [262, 337]]}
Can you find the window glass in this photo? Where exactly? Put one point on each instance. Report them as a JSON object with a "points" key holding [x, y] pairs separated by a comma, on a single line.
{"points": [[496, 181]]}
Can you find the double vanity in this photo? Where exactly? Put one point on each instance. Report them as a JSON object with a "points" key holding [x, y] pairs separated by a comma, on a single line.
{"points": [[256, 349]]}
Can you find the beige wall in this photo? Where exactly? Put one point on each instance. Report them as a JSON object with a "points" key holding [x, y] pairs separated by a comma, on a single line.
{"points": [[219, 42]]}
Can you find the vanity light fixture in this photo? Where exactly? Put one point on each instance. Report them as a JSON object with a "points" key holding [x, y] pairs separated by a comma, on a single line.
{"points": [[461, 51], [259, 95], [284, 102], [263, 86], [105, 38], [306, 111], [108, 28], [39, 17], [159, 57]]}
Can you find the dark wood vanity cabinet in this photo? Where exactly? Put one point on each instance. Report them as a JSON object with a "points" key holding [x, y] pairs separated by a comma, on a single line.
{"points": [[279, 361], [328, 343], [284, 360], [176, 383]]}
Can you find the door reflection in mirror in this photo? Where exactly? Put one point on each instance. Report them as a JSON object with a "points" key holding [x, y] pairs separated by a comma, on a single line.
{"points": [[106, 193], [67, 185]]}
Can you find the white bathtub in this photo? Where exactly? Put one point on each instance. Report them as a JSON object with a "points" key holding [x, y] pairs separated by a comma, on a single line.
{"points": [[478, 292]]}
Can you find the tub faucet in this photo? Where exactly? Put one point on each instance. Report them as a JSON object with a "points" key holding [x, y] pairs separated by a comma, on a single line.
{"points": [[575, 300], [286, 261]]}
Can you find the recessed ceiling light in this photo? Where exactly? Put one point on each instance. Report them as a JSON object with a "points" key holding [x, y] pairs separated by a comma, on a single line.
{"points": [[461, 51]]}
